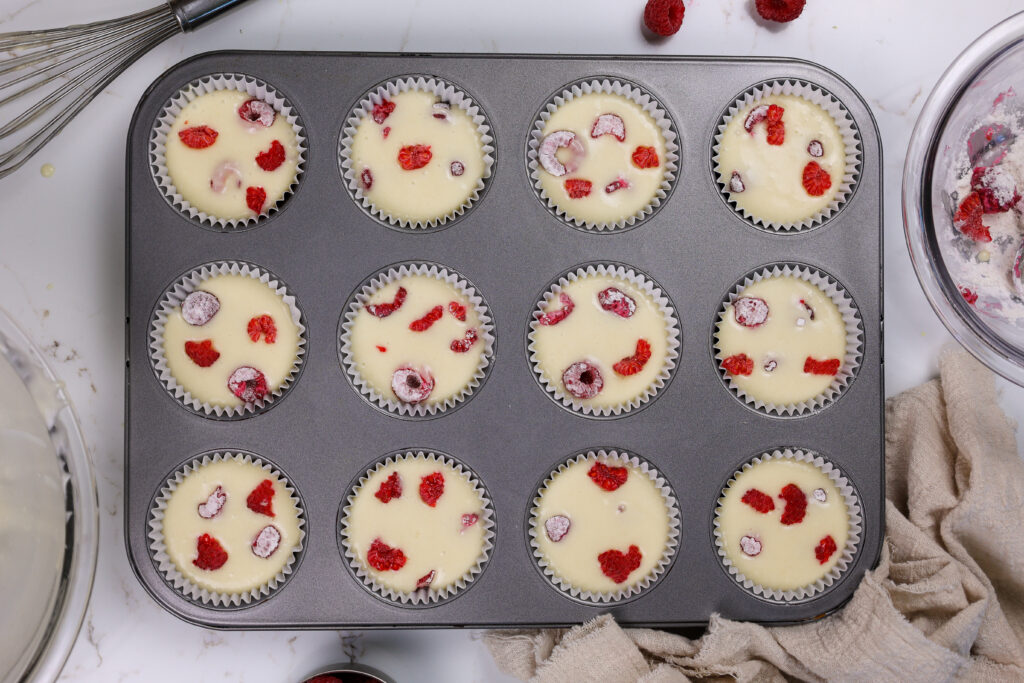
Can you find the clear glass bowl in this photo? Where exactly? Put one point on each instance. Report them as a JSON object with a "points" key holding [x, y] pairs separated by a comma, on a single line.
{"points": [[957, 107]]}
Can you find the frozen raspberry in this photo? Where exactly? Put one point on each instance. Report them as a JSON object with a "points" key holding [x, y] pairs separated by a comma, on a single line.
{"points": [[609, 124], [257, 111], [225, 173], [750, 546], [466, 343], [423, 324], [758, 500], [807, 307], [969, 296], [383, 310], [549, 146], [631, 365], [428, 578], [756, 116], [383, 110], [819, 495], [559, 314], [202, 353], [255, 198], [385, 132], [608, 478], [457, 310], [213, 504], [825, 549], [616, 301], [816, 179], [390, 488], [775, 129], [441, 110], [645, 157], [967, 219], [383, 557], [210, 554], [739, 364], [382, 349], [556, 527], [770, 365], [457, 168], [578, 188], [822, 367], [780, 10], [261, 498], [199, 137], [412, 157], [366, 179], [796, 504], [411, 386], [469, 519], [248, 384], [617, 184], [750, 311], [736, 183], [272, 158], [431, 488], [617, 565], [664, 17], [816, 149], [583, 380], [262, 325], [996, 189], [266, 541]]}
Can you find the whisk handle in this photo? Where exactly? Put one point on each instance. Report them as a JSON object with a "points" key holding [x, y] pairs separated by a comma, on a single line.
{"points": [[193, 13]]}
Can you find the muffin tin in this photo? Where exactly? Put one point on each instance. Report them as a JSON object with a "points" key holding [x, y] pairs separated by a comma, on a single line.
{"points": [[509, 245]]}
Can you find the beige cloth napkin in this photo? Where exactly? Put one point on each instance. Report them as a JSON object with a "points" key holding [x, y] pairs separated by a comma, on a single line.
{"points": [[945, 603]]}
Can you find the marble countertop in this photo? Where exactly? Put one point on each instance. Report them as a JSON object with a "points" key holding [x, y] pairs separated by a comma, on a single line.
{"points": [[62, 251]]}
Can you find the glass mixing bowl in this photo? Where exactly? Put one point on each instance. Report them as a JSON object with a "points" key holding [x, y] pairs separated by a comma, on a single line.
{"points": [[991, 68]]}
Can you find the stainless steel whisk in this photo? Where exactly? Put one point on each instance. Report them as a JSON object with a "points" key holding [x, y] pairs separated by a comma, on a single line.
{"points": [[48, 76]]}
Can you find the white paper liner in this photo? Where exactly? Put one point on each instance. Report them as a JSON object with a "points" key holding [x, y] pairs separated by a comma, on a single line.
{"points": [[166, 566], [855, 529], [645, 101], [358, 300], [613, 458], [446, 92], [847, 129], [854, 338], [642, 282], [165, 119], [429, 596], [173, 297]]}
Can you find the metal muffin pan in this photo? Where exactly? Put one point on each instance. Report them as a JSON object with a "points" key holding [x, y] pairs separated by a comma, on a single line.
{"points": [[509, 245]]}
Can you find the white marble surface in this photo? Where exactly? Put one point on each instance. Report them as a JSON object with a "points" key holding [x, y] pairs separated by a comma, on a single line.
{"points": [[62, 249]]}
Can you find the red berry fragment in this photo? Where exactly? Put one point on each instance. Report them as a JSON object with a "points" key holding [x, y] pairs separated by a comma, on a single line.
{"points": [[258, 112], [556, 527], [664, 17], [210, 554], [427, 579], [617, 184], [549, 146], [736, 183], [825, 549], [466, 343], [382, 349], [780, 10], [266, 542], [756, 116], [739, 364], [457, 168], [750, 546], [609, 124], [261, 499], [631, 365], [383, 557], [645, 157], [967, 219], [366, 178], [816, 149], [969, 296], [469, 519], [224, 173], [457, 310], [213, 504], [423, 324], [262, 325], [390, 488], [431, 488], [807, 307], [816, 180], [617, 565], [383, 110], [441, 110], [583, 380], [819, 495], [608, 478], [759, 500], [385, 132], [822, 367], [199, 137], [796, 504], [559, 314], [272, 158], [383, 310], [578, 188], [412, 157], [616, 301], [411, 386], [770, 365], [996, 188], [750, 311], [202, 353], [255, 198], [248, 384]]}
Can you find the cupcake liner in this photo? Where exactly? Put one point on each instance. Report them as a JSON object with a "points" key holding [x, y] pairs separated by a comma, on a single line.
{"points": [[847, 129], [644, 283], [854, 338], [363, 294], [849, 550], [421, 597], [167, 568], [447, 93], [648, 103], [617, 458], [173, 297], [201, 86]]}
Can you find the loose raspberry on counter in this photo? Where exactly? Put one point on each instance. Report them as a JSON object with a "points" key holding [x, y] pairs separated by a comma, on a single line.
{"points": [[583, 380], [758, 500], [466, 343], [255, 198], [202, 353], [272, 159], [411, 386], [210, 554], [457, 310], [614, 300], [413, 157], [967, 219], [796, 504], [262, 325], [825, 549], [261, 499], [383, 310], [609, 124], [664, 17], [781, 11], [750, 311], [608, 478], [390, 488], [739, 364], [423, 324], [645, 157], [383, 110], [617, 565], [556, 527], [198, 137], [559, 314], [213, 504], [257, 111], [266, 542], [829, 366], [632, 365], [248, 384], [578, 188], [816, 180], [432, 488], [383, 557]]}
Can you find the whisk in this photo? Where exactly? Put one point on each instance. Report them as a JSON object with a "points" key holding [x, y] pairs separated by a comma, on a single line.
{"points": [[48, 76]]}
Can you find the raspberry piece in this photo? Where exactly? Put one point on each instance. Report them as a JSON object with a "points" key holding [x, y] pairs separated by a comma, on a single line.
{"points": [[457, 168], [617, 565], [457, 310], [463, 345], [385, 132], [556, 527], [617, 184], [739, 364], [645, 157], [967, 219], [796, 504], [781, 11], [759, 500], [248, 384], [427, 579], [816, 179], [202, 353], [210, 554], [819, 495], [996, 189], [262, 325], [609, 124], [255, 198], [822, 367], [816, 149], [383, 557], [578, 188], [559, 314], [631, 365], [775, 132], [969, 296], [469, 519], [257, 111], [770, 365], [272, 158], [223, 173], [583, 379], [608, 478], [549, 146], [366, 178], [756, 116], [423, 324], [825, 549], [750, 546], [664, 17], [441, 110], [390, 488], [750, 311], [412, 157], [261, 499], [383, 110], [382, 349], [199, 137], [431, 488], [411, 386], [616, 301], [266, 542], [383, 310], [213, 504], [736, 183], [807, 307]]}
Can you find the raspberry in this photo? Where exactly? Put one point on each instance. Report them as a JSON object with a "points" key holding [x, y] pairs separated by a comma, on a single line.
{"points": [[385, 309], [411, 386], [807, 307], [431, 488], [967, 219], [556, 527], [427, 579], [822, 367], [756, 116], [758, 500], [423, 324], [383, 557], [617, 184], [210, 554], [750, 311], [736, 183], [796, 504], [248, 384], [776, 133], [266, 541], [549, 146], [826, 547], [816, 149], [199, 137], [382, 349], [255, 198], [559, 314], [608, 478], [617, 565], [385, 132], [441, 110], [819, 495], [770, 365], [969, 296], [740, 364], [578, 188], [366, 178], [202, 353], [664, 17], [457, 168], [272, 158], [469, 519], [616, 301], [257, 111], [457, 310], [390, 488], [262, 324], [412, 157], [465, 344], [583, 380], [632, 365], [213, 504], [816, 179], [383, 110], [781, 11], [609, 124], [645, 157], [261, 498], [750, 546], [224, 172], [995, 188]]}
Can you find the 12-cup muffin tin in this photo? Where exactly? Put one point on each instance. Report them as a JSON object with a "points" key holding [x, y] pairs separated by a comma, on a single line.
{"points": [[323, 246]]}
